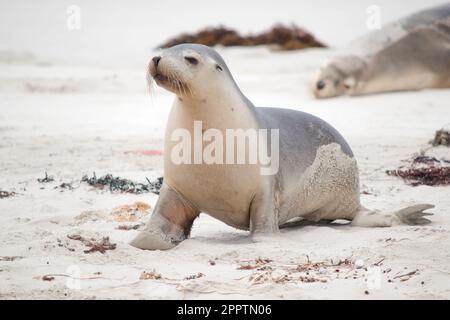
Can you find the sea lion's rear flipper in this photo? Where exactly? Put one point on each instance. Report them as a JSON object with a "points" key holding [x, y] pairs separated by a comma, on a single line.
{"points": [[412, 215]]}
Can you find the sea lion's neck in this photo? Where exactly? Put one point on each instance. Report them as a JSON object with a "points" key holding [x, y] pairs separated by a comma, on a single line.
{"points": [[224, 107], [232, 111]]}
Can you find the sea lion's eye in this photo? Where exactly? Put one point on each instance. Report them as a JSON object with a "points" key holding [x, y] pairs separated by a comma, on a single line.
{"points": [[219, 67], [191, 60]]}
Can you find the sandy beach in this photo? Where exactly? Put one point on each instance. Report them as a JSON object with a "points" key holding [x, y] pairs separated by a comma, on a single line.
{"points": [[71, 119]]}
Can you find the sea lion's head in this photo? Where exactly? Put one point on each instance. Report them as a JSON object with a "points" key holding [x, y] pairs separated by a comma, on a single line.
{"points": [[338, 77], [191, 71]]}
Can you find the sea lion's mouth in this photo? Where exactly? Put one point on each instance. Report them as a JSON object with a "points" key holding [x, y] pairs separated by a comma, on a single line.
{"points": [[160, 77], [172, 83]]}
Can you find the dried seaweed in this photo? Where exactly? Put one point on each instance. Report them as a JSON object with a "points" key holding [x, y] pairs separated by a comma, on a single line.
{"points": [[424, 170], [6, 194], [283, 37], [94, 245], [258, 263], [441, 138], [153, 275], [101, 246], [311, 266], [430, 175], [266, 270], [117, 184], [264, 277], [311, 279], [425, 159], [150, 275], [129, 227], [406, 276], [10, 258], [194, 276], [46, 179], [66, 185]]}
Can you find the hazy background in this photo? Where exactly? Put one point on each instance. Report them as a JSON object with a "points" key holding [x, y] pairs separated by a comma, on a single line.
{"points": [[123, 33]]}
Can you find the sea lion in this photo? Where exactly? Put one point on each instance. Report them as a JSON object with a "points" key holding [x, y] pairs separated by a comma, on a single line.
{"points": [[409, 54], [316, 176]]}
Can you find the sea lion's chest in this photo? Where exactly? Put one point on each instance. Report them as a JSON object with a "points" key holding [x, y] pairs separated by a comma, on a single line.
{"points": [[201, 162]]}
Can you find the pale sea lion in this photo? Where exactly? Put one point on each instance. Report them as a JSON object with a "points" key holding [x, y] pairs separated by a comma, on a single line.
{"points": [[317, 177], [409, 54]]}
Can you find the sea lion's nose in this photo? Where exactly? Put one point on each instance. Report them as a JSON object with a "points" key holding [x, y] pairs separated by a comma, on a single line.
{"points": [[156, 60], [320, 84]]}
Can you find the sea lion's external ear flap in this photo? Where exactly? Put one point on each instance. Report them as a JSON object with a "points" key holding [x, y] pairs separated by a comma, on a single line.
{"points": [[219, 67], [349, 83]]}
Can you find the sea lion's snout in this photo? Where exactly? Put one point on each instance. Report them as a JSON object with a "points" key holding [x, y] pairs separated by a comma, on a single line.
{"points": [[156, 60], [327, 85], [157, 71], [153, 66], [320, 84], [319, 88], [168, 73]]}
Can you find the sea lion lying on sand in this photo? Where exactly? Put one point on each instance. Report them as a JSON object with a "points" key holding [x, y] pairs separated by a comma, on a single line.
{"points": [[409, 54]]}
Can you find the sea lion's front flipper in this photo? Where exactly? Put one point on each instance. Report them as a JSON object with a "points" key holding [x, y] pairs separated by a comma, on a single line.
{"points": [[170, 223]]}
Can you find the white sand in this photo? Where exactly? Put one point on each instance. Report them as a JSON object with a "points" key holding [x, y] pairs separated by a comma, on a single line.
{"points": [[73, 120]]}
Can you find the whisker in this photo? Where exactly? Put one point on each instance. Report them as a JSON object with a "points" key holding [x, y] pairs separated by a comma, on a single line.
{"points": [[183, 85], [150, 84], [173, 79], [186, 89], [190, 91], [176, 82], [179, 84]]}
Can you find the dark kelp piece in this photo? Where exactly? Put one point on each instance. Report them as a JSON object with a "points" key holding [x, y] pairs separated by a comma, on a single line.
{"points": [[281, 36], [117, 184]]}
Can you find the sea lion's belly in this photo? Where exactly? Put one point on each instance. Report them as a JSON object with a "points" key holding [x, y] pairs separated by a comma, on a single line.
{"points": [[223, 191]]}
